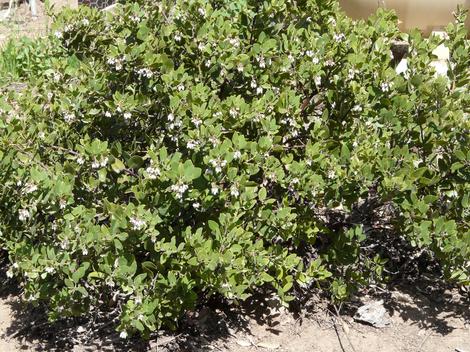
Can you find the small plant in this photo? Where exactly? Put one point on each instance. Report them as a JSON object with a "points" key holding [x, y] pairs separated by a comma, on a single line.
{"points": [[174, 150], [24, 57]]}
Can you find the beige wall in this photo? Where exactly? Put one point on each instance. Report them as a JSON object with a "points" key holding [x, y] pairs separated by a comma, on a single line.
{"points": [[427, 15], [61, 3]]}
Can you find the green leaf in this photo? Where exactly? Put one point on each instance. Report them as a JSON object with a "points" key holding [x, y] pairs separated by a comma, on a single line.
{"points": [[265, 277], [118, 166], [135, 162]]}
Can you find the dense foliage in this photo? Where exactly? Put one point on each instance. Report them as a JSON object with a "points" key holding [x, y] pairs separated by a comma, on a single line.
{"points": [[174, 150]]}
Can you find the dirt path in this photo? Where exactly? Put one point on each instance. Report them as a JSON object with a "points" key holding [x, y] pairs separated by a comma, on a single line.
{"points": [[418, 324], [5, 320], [22, 23]]}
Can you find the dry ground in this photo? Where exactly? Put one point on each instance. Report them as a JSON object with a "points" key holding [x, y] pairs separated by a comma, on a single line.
{"points": [[22, 23], [419, 323]]}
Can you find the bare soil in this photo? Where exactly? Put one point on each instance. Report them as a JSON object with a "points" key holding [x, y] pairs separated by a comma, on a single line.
{"points": [[419, 323], [22, 22]]}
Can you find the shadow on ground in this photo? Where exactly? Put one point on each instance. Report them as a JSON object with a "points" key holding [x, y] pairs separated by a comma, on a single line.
{"points": [[217, 322]]}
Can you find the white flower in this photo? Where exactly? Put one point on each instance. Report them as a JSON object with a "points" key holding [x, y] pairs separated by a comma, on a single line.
{"points": [[15, 265], [261, 62], [208, 63], [240, 67], [95, 164], [69, 117], [9, 273], [153, 172], [107, 114], [23, 214], [145, 72], [317, 80], [315, 60], [171, 117], [234, 191], [192, 144], [253, 84], [386, 86], [127, 115], [234, 112], [62, 203], [339, 37], [235, 42], [196, 205], [197, 122], [177, 37], [137, 224], [123, 335], [41, 135], [135, 19], [259, 90], [64, 244], [357, 108], [104, 162], [180, 87], [218, 164], [80, 160], [58, 34], [329, 63], [179, 188], [237, 155], [309, 53], [85, 251], [331, 174], [30, 188], [85, 22], [214, 190], [295, 180], [351, 73], [201, 11], [49, 269], [138, 300]]}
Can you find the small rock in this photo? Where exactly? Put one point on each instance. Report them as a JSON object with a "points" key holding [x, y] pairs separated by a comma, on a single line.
{"points": [[268, 345], [373, 313], [243, 343]]}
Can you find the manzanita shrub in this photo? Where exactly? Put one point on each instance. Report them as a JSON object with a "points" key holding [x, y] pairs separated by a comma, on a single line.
{"points": [[174, 150]]}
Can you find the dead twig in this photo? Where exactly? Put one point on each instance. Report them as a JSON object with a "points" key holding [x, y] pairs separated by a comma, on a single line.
{"points": [[424, 341], [337, 334], [338, 309]]}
